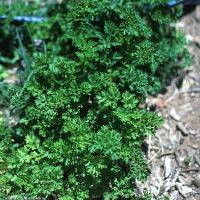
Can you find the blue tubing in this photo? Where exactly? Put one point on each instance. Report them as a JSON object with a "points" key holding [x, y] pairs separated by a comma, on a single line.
{"points": [[25, 18], [172, 3]]}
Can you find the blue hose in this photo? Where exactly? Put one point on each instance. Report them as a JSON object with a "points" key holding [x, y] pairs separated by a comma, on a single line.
{"points": [[173, 3], [25, 18]]}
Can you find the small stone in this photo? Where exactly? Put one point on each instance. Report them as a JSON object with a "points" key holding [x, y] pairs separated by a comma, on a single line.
{"points": [[154, 190], [174, 114], [192, 132], [182, 128], [180, 25], [184, 190], [196, 181], [189, 37], [187, 84], [166, 126], [167, 166], [174, 195], [195, 75]]}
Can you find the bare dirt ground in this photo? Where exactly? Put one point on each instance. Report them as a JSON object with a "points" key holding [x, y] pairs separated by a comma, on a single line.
{"points": [[174, 153]]}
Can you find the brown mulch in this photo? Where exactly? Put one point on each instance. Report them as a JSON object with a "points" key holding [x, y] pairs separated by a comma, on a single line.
{"points": [[174, 153]]}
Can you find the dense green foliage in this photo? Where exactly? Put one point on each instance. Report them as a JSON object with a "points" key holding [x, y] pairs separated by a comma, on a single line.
{"points": [[81, 123], [140, 33]]}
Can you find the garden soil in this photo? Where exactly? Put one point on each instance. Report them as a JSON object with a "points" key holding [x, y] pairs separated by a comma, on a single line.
{"points": [[174, 153]]}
